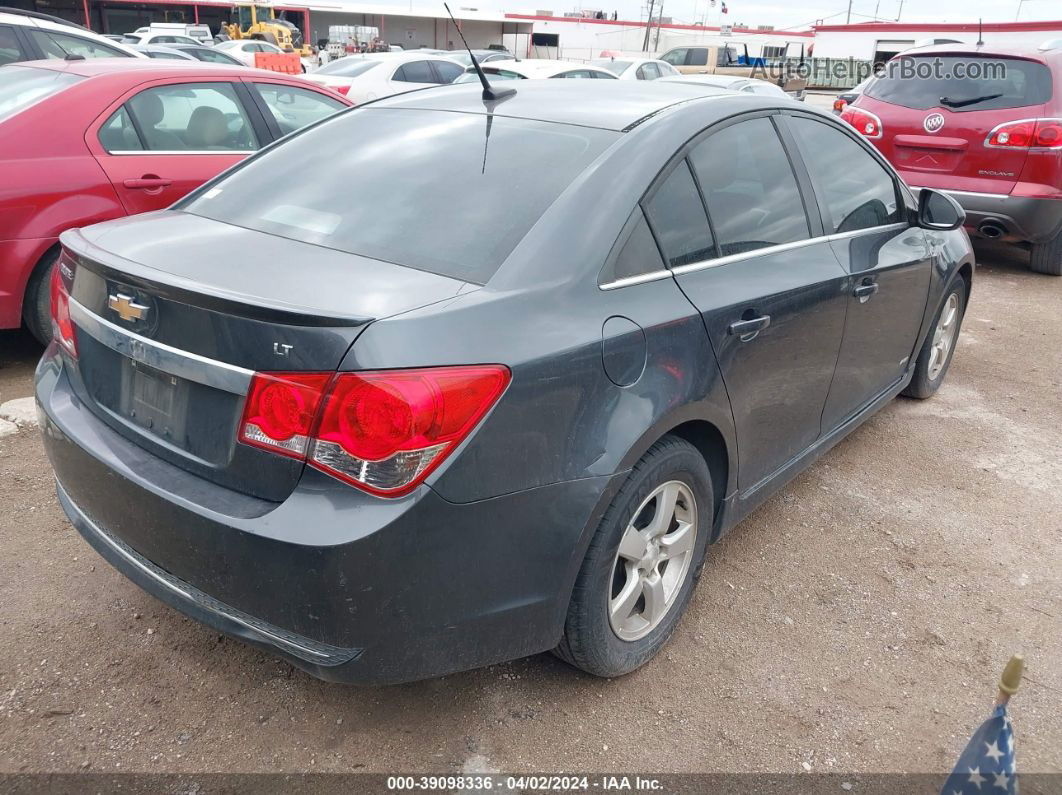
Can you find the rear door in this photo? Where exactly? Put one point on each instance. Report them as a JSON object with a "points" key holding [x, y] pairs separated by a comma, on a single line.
{"points": [[864, 210], [165, 140], [766, 282], [936, 127]]}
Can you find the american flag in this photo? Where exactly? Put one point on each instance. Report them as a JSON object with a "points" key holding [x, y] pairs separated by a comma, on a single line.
{"points": [[986, 767]]}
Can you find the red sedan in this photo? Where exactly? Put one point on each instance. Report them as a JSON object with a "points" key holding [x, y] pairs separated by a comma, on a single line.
{"points": [[87, 141]]}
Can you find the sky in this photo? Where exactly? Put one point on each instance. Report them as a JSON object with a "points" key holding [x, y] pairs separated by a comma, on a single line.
{"points": [[795, 15]]}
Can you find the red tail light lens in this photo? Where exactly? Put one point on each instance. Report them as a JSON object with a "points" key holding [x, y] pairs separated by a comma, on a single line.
{"points": [[280, 411], [383, 431], [62, 325], [344, 90], [864, 121], [838, 104], [1027, 134]]}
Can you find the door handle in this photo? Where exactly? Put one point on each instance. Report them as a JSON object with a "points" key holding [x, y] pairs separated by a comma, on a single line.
{"points": [[747, 329], [865, 290], [148, 183]]}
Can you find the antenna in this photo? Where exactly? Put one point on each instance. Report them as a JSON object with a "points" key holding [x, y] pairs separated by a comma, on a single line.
{"points": [[490, 94], [980, 38]]}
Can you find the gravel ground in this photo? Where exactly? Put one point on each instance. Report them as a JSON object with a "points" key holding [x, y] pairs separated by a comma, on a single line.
{"points": [[858, 622]]}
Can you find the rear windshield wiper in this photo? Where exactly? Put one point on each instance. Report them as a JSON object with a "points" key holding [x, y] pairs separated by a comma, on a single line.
{"points": [[962, 103]]}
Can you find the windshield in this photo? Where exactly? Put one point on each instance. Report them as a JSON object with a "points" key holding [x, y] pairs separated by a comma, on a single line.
{"points": [[462, 58], [470, 76], [616, 67], [381, 183], [347, 67], [22, 87], [962, 83]]}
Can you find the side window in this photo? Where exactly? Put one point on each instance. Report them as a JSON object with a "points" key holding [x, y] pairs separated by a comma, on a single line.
{"points": [[698, 57], [749, 187], [855, 190], [294, 108], [676, 214], [675, 57], [118, 133], [638, 255], [666, 70], [10, 50], [212, 56], [166, 55], [60, 45], [415, 72], [448, 72], [194, 117], [577, 74]]}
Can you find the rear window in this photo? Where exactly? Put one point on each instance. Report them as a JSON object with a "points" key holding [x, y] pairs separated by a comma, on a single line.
{"points": [[616, 67], [347, 67], [962, 83], [22, 87], [449, 193]]}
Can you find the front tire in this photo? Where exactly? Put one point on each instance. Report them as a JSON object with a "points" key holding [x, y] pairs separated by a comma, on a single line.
{"points": [[935, 357], [643, 563], [37, 302], [1047, 257]]}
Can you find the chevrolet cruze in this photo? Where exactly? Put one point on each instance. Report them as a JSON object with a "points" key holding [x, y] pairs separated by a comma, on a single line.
{"points": [[485, 378]]}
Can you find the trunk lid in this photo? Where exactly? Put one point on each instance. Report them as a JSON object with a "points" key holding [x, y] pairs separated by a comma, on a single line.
{"points": [[175, 312], [937, 140]]}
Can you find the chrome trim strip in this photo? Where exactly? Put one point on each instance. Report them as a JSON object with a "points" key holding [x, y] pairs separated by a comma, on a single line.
{"points": [[192, 366], [135, 560], [962, 192], [182, 152], [653, 276]]}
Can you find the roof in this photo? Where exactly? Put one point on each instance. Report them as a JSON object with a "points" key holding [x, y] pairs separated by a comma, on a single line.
{"points": [[993, 51], [539, 67], [143, 68], [608, 104]]}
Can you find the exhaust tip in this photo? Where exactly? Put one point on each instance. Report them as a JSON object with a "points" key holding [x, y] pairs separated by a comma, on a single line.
{"points": [[993, 230]]}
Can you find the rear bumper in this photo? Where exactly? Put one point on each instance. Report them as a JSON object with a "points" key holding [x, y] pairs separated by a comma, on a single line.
{"points": [[345, 586], [1021, 219]]}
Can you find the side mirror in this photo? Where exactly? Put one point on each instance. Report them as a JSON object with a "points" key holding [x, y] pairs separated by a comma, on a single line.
{"points": [[938, 211]]}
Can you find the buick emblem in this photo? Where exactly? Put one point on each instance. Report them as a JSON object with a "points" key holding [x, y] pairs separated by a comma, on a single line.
{"points": [[933, 122], [126, 307]]}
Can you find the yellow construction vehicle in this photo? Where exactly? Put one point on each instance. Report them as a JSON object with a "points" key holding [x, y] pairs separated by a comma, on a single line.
{"points": [[258, 21]]}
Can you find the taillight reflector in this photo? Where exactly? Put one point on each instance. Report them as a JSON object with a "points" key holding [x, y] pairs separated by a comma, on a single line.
{"points": [[383, 431], [62, 326], [1026, 134], [864, 121]]}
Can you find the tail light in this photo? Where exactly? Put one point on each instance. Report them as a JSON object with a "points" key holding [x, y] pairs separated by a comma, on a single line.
{"points": [[864, 121], [62, 325], [838, 104], [383, 431], [1027, 134], [344, 90]]}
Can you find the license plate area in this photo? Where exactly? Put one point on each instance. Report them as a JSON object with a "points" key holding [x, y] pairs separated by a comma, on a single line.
{"points": [[154, 400]]}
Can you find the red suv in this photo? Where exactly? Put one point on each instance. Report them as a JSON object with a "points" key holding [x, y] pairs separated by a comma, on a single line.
{"points": [[984, 125], [86, 141]]}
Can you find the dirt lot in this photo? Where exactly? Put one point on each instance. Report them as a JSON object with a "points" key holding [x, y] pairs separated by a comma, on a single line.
{"points": [[858, 622]]}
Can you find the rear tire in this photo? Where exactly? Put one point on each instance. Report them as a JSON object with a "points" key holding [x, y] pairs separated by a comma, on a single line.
{"points": [[37, 302], [1047, 257], [616, 590], [935, 357]]}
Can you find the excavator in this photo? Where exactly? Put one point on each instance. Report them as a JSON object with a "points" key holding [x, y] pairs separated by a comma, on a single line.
{"points": [[259, 21]]}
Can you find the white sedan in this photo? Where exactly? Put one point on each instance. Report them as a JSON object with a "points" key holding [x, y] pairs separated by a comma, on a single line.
{"points": [[636, 68], [747, 85], [362, 78], [536, 69], [244, 50]]}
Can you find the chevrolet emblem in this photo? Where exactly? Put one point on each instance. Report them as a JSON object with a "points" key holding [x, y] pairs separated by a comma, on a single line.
{"points": [[126, 307]]}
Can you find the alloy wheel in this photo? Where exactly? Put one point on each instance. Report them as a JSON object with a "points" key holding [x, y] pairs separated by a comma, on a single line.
{"points": [[944, 337], [653, 560]]}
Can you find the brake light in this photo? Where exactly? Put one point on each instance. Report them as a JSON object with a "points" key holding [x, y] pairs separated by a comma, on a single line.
{"points": [[838, 104], [344, 90], [865, 122], [383, 431], [62, 326], [1027, 134]]}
